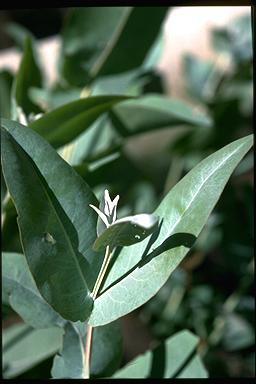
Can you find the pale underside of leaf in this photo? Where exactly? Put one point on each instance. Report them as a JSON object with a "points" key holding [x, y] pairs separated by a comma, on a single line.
{"points": [[126, 231]]}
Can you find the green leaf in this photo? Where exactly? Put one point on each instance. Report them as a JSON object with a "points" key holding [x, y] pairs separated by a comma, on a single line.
{"points": [[6, 79], [49, 99], [241, 37], [56, 223], [10, 231], [126, 231], [65, 123], [235, 39], [18, 33], [3, 191], [86, 40], [106, 352], [141, 269], [69, 363], [201, 76], [154, 111], [133, 40], [173, 358], [127, 83], [194, 369], [18, 285], [24, 347], [94, 143], [48, 237], [154, 54], [92, 48], [28, 76]]}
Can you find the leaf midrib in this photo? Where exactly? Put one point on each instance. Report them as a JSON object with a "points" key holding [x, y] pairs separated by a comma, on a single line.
{"points": [[106, 53], [39, 175], [119, 280], [200, 187], [73, 254]]}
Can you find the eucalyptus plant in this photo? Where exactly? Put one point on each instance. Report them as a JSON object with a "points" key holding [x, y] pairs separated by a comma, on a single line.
{"points": [[78, 263]]}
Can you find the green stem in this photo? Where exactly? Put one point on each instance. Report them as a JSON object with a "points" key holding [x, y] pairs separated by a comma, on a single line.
{"points": [[101, 273], [87, 351], [89, 333]]}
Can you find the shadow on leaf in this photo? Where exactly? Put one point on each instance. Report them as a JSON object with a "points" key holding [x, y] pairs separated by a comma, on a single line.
{"points": [[159, 363], [176, 240]]}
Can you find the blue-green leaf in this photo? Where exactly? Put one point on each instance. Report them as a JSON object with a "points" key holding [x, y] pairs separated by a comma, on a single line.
{"points": [[67, 122], [24, 347], [56, 223], [175, 357], [141, 269], [23, 296], [106, 352], [154, 111], [28, 76]]}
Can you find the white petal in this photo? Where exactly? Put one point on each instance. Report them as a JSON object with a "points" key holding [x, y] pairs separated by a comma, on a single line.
{"points": [[107, 208], [110, 206], [101, 214], [115, 201]]}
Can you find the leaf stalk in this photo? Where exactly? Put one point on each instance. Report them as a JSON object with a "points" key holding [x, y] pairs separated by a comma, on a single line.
{"points": [[89, 333]]}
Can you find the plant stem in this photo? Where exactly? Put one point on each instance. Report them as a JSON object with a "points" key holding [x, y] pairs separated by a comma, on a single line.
{"points": [[102, 272], [87, 351], [89, 334]]}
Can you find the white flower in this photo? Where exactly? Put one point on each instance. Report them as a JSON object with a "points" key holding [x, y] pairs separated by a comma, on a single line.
{"points": [[109, 215]]}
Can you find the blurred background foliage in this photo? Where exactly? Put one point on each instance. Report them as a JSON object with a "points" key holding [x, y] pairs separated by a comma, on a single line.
{"points": [[211, 293]]}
